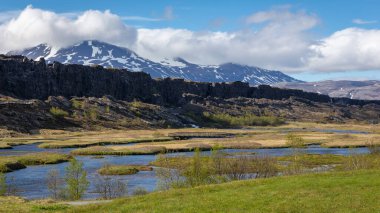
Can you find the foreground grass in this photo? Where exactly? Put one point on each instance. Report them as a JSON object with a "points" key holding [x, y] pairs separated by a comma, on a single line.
{"points": [[357, 191], [12, 163], [16, 204]]}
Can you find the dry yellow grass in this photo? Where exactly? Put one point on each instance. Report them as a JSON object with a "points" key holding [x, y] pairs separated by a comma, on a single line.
{"points": [[258, 136], [349, 140]]}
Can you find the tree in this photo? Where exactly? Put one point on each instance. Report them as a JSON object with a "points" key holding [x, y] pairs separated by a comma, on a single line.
{"points": [[3, 184], [54, 183], [296, 143], [197, 173], [76, 180], [109, 188]]}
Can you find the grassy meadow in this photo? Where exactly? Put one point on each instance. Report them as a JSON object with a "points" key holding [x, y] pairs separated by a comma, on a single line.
{"points": [[357, 191]]}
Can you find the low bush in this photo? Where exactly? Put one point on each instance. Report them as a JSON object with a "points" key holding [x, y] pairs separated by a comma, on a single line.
{"points": [[109, 188], [58, 113], [77, 104], [243, 120], [175, 172], [140, 191]]}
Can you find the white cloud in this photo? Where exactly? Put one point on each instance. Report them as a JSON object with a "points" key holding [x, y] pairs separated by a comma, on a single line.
{"points": [[276, 39], [348, 49], [361, 21], [34, 26], [8, 15], [280, 44]]}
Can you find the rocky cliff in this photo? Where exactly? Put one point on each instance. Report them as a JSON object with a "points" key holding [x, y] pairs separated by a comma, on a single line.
{"points": [[28, 79], [96, 97]]}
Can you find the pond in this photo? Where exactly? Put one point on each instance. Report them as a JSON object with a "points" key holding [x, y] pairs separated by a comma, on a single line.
{"points": [[31, 182]]}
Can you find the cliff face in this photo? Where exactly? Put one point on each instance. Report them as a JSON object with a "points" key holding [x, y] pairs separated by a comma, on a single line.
{"points": [[94, 97], [28, 79]]}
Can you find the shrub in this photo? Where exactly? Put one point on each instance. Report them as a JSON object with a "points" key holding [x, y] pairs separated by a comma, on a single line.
{"points": [[107, 109], [93, 113], [109, 188], [77, 104], [54, 207], [140, 191], [358, 162], [243, 120], [373, 147], [174, 172], [136, 104], [295, 141], [54, 183], [3, 184], [58, 113]]}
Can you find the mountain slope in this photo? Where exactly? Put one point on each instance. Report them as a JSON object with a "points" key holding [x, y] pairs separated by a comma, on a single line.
{"points": [[107, 55], [365, 90]]}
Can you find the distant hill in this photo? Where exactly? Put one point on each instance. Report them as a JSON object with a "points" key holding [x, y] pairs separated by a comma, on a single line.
{"points": [[365, 90], [108, 55]]}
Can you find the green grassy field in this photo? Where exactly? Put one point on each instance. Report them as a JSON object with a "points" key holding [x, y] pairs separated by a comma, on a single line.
{"points": [[329, 192], [357, 191]]}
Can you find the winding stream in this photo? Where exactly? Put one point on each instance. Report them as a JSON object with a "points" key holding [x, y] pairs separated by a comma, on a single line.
{"points": [[31, 182]]}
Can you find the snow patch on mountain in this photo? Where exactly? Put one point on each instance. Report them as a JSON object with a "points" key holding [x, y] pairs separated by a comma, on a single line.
{"points": [[108, 55]]}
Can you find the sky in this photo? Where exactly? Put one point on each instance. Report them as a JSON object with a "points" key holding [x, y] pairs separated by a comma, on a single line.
{"points": [[309, 40]]}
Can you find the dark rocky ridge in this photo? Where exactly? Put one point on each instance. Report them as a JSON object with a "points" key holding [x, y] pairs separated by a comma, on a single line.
{"points": [[28, 79], [95, 97]]}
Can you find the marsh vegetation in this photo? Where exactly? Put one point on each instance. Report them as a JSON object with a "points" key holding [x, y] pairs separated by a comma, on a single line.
{"points": [[253, 153]]}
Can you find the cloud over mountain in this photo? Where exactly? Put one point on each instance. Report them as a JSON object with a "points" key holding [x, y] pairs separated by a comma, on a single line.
{"points": [[34, 26], [279, 38]]}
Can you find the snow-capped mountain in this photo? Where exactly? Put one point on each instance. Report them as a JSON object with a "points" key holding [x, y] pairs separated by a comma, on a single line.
{"points": [[108, 55]]}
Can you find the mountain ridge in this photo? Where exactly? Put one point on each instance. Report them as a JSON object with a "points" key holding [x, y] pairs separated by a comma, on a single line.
{"points": [[100, 53], [366, 90]]}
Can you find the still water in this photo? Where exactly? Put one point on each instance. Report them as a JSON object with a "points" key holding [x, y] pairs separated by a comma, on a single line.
{"points": [[31, 182]]}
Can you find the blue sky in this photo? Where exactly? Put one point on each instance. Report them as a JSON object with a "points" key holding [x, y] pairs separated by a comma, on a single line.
{"points": [[199, 15], [351, 18]]}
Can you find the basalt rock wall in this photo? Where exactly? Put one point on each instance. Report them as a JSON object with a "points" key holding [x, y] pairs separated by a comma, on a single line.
{"points": [[28, 79]]}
